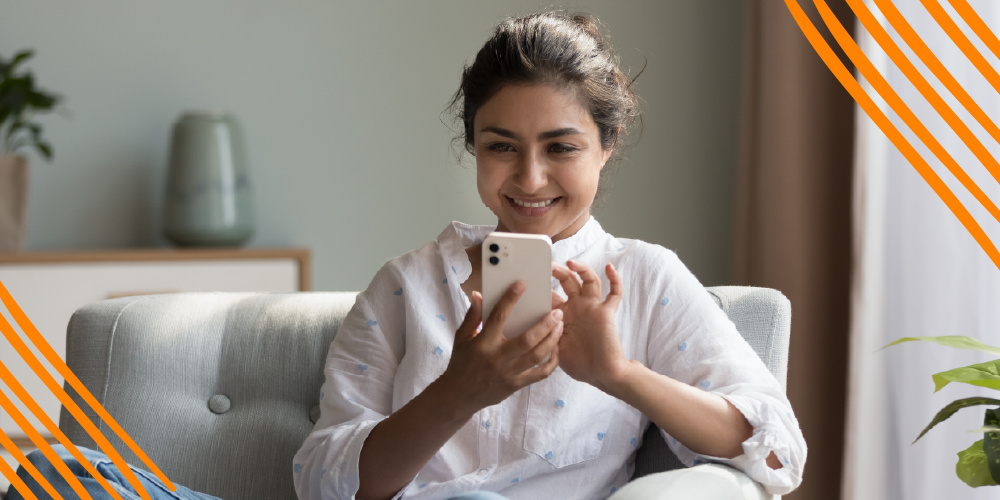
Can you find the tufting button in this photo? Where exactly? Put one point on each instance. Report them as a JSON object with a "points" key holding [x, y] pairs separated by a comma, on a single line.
{"points": [[314, 414], [218, 404]]}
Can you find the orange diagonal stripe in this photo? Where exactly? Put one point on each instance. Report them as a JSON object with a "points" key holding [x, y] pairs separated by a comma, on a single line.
{"points": [[903, 28], [69, 404], [8, 378], [36, 338], [956, 124], [904, 147], [896, 103], [43, 446], [978, 26], [16, 481], [963, 43]]}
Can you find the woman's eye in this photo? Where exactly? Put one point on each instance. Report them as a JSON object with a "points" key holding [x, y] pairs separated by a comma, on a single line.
{"points": [[501, 147], [561, 148]]}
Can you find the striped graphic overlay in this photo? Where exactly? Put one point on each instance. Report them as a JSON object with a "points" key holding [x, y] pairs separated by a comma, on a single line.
{"points": [[877, 81], [50, 355]]}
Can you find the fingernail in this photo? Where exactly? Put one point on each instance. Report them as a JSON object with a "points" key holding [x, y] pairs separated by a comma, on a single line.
{"points": [[557, 314], [518, 286]]}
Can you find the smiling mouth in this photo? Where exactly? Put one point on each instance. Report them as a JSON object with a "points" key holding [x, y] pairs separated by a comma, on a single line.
{"points": [[538, 204]]}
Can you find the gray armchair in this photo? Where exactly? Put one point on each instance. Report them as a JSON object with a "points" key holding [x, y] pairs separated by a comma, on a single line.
{"points": [[220, 389]]}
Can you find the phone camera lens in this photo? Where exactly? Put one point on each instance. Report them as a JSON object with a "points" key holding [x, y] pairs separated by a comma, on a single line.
{"points": [[494, 247], [494, 260]]}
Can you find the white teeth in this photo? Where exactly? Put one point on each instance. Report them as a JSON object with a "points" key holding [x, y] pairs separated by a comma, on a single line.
{"points": [[533, 205]]}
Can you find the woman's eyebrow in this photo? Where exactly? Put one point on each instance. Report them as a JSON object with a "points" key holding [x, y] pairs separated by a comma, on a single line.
{"points": [[501, 132], [541, 137], [558, 133]]}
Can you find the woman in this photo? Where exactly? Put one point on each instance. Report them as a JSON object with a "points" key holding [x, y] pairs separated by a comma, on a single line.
{"points": [[420, 401]]}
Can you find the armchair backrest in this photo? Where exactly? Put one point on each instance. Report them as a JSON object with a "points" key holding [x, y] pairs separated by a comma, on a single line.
{"points": [[221, 389]]}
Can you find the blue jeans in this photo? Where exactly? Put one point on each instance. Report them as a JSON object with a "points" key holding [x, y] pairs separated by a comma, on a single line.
{"points": [[103, 464]]}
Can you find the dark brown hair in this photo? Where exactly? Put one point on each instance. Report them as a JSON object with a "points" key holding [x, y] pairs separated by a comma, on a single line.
{"points": [[553, 48]]}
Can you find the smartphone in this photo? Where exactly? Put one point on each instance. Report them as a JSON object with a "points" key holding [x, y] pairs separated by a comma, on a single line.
{"points": [[507, 258]]}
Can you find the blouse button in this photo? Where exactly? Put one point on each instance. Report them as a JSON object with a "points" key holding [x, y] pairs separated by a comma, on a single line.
{"points": [[483, 472], [489, 423]]}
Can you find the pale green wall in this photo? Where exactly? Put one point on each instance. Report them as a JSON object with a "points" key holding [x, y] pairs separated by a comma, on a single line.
{"points": [[342, 106]]}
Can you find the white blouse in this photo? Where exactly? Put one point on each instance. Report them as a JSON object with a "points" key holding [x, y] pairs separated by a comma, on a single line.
{"points": [[557, 438]]}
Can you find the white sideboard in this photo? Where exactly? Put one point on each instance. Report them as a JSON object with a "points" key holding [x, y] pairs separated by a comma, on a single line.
{"points": [[49, 287]]}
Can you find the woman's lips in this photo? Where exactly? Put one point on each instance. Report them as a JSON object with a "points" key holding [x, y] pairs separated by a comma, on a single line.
{"points": [[533, 211]]}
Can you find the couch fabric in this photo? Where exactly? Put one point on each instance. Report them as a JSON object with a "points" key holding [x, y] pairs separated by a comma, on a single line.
{"points": [[220, 389]]}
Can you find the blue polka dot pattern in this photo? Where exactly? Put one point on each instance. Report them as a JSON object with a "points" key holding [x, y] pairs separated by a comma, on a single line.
{"points": [[321, 474], [560, 404], [372, 322], [633, 441], [298, 468], [683, 346], [438, 350], [674, 441], [424, 485], [515, 480], [664, 301], [613, 489], [548, 456], [453, 270], [321, 396], [600, 436], [444, 281], [440, 317], [486, 424], [398, 292], [363, 368], [706, 384]]}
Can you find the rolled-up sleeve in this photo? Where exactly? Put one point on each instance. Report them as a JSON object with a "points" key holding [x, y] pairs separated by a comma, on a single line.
{"points": [[693, 341], [356, 395]]}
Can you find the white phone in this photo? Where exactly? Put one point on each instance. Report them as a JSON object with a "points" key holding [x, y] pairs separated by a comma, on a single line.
{"points": [[507, 258]]}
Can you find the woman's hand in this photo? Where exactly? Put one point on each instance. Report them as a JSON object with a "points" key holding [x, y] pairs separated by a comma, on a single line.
{"points": [[485, 367], [590, 350]]}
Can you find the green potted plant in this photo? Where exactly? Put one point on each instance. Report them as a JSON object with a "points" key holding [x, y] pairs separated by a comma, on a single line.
{"points": [[979, 464], [20, 101]]}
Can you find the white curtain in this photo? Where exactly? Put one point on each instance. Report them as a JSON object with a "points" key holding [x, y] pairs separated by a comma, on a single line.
{"points": [[918, 272]]}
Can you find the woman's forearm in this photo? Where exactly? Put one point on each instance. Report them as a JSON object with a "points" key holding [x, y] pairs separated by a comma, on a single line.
{"points": [[706, 423], [399, 446]]}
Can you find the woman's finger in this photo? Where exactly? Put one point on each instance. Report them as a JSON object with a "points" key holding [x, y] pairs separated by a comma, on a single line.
{"points": [[539, 354], [591, 281], [568, 279], [493, 326], [470, 324], [516, 347], [557, 301], [617, 290], [540, 372]]}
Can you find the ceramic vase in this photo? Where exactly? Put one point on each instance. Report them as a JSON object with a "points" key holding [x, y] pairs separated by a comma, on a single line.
{"points": [[209, 201], [13, 202]]}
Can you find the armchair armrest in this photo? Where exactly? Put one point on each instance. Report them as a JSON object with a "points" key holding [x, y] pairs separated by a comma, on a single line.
{"points": [[702, 482]]}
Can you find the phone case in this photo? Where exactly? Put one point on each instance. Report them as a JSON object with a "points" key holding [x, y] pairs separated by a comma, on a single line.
{"points": [[525, 257]]}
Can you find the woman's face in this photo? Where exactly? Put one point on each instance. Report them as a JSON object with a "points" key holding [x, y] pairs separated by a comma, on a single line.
{"points": [[538, 160]]}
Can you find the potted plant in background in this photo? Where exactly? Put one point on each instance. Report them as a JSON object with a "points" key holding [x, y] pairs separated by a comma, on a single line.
{"points": [[979, 464], [20, 101]]}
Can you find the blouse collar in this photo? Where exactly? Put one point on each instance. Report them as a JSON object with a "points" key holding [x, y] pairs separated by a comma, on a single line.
{"points": [[458, 236]]}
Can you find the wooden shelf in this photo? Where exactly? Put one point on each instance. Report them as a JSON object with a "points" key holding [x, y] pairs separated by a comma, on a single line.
{"points": [[302, 255]]}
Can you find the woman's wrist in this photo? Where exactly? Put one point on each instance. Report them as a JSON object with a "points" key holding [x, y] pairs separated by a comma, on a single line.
{"points": [[621, 382], [453, 407]]}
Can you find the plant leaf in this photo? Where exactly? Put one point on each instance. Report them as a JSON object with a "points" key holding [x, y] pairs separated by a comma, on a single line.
{"points": [[991, 443], [981, 374], [986, 428], [45, 149], [971, 467], [953, 407], [956, 341]]}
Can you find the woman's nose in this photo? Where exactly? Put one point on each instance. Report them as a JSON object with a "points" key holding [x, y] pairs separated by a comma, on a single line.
{"points": [[531, 174]]}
